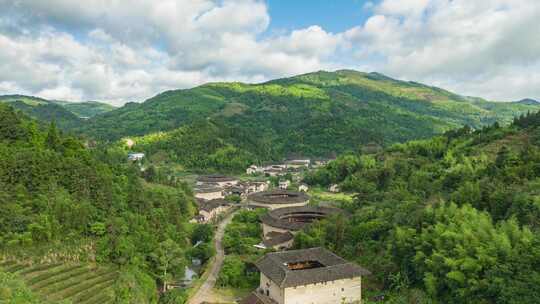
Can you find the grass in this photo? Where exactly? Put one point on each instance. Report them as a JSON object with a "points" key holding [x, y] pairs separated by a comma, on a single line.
{"points": [[321, 195], [57, 282]]}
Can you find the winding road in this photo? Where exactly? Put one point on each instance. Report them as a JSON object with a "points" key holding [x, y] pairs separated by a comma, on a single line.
{"points": [[204, 293]]}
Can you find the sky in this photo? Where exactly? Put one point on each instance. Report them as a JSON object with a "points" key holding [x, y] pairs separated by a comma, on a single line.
{"points": [[122, 50]]}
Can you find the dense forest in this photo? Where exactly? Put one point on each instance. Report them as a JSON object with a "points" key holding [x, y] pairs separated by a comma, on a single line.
{"points": [[64, 203], [452, 219]]}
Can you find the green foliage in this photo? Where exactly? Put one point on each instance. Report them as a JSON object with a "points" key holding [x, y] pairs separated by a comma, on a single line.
{"points": [[87, 109], [14, 291], [56, 193], [224, 126], [456, 216], [235, 273], [243, 232]]}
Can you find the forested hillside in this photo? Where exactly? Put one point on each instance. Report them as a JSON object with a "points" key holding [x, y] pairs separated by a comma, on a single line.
{"points": [[455, 218], [66, 115], [315, 114], [66, 208], [86, 109]]}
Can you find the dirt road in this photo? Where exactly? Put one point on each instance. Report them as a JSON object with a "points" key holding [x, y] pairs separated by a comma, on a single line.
{"points": [[205, 290]]}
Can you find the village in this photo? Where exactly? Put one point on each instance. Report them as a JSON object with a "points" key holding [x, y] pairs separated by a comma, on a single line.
{"points": [[313, 275]]}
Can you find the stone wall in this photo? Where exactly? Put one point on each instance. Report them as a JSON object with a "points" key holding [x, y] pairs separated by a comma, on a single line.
{"points": [[335, 292]]}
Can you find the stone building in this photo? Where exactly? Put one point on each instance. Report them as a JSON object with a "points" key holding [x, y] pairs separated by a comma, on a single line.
{"points": [[209, 192], [210, 210], [275, 199], [280, 225], [217, 179], [307, 276]]}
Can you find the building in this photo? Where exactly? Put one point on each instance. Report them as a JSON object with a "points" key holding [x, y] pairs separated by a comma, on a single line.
{"points": [[254, 187], [334, 188], [298, 163], [135, 156], [284, 184], [314, 276], [210, 210], [254, 169], [217, 179], [209, 192], [275, 199], [303, 188], [280, 225]]}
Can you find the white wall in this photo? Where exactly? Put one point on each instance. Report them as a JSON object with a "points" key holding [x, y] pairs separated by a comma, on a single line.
{"points": [[335, 292], [209, 195], [273, 289]]}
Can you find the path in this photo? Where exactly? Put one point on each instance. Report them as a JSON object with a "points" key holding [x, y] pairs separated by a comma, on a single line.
{"points": [[204, 292]]}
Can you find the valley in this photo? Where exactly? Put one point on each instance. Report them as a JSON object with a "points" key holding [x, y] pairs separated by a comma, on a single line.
{"points": [[421, 194]]}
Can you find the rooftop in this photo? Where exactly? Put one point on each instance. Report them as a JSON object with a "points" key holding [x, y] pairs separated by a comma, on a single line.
{"points": [[276, 238], [279, 197], [215, 178], [296, 218], [211, 204], [307, 266]]}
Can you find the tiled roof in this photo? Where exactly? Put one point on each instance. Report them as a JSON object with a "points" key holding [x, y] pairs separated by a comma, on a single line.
{"points": [[279, 197], [284, 217], [276, 238], [274, 266], [211, 204]]}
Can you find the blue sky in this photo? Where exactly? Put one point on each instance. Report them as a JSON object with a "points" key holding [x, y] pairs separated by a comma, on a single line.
{"points": [[125, 50], [333, 16]]}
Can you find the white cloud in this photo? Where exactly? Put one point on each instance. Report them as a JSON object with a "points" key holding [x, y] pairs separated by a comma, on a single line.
{"points": [[126, 50]]}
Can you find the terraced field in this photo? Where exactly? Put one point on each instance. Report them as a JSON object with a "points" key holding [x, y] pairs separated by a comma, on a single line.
{"points": [[66, 283]]}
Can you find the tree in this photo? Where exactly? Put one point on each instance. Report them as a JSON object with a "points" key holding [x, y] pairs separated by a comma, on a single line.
{"points": [[169, 261]]}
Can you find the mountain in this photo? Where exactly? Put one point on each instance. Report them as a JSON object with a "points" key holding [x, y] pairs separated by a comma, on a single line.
{"points": [[312, 114], [529, 101], [67, 115], [43, 110], [451, 219], [86, 109]]}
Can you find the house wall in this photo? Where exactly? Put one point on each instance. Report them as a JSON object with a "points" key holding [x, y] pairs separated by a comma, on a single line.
{"points": [[285, 245], [334, 292], [268, 287], [277, 206], [209, 195], [267, 229]]}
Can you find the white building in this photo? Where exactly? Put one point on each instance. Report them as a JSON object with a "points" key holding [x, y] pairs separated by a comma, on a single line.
{"points": [[334, 188], [210, 210], [314, 276], [209, 193], [253, 169], [135, 156], [298, 163], [303, 188], [216, 179], [284, 184]]}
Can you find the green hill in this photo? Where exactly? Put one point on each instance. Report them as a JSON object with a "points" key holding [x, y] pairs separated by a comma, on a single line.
{"points": [[86, 109], [315, 114], [67, 115], [452, 219], [63, 204], [42, 110]]}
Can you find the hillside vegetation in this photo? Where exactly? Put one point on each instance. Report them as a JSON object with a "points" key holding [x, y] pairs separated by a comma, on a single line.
{"points": [[316, 114], [66, 115], [452, 219], [63, 205]]}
